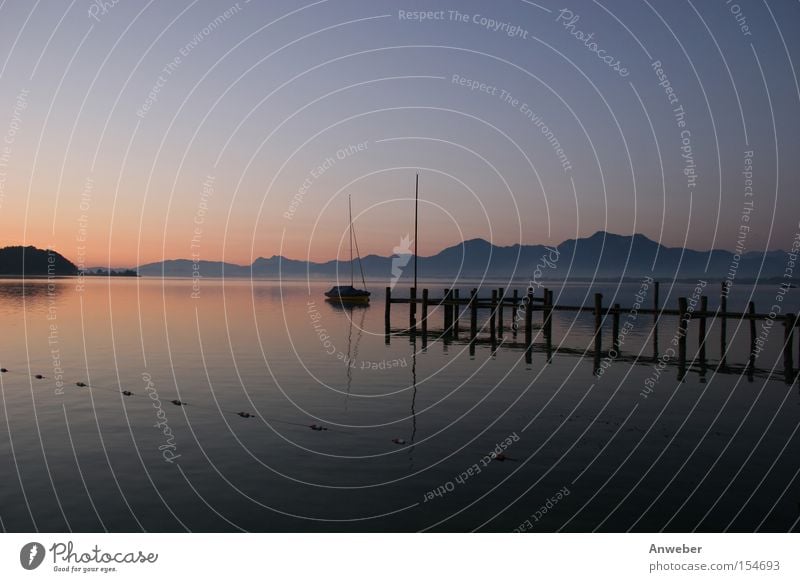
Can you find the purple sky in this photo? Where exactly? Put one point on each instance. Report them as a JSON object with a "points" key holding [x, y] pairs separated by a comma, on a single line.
{"points": [[139, 131]]}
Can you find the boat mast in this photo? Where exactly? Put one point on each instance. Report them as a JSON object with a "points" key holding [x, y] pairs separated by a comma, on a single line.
{"points": [[416, 220], [358, 254], [350, 215]]}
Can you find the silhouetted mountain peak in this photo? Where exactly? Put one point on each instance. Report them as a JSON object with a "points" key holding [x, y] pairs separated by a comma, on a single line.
{"points": [[19, 260], [476, 242], [603, 254]]}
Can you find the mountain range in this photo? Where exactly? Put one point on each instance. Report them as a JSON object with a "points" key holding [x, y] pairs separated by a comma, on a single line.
{"points": [[603, 255]]}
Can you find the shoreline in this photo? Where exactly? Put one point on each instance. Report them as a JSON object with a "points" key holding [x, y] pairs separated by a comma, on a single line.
{"points": [[430, 280]]}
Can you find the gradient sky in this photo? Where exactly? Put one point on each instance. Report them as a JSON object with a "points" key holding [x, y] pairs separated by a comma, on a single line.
{"points": [[255, 104]]}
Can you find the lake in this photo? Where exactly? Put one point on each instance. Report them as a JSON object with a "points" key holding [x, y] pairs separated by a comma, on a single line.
{"points": [[344, 432]]}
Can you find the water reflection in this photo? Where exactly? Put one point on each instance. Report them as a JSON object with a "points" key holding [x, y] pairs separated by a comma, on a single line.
{"points": [[34, 293], [395, 432]]}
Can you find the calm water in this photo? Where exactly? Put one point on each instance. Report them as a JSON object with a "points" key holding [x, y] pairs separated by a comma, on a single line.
{"points": [[707, 453]]}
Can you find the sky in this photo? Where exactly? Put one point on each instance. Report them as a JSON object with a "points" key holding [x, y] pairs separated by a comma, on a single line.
{"points": [[136, 131]]}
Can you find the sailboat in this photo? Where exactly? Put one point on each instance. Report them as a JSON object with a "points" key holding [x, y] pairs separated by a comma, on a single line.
{"points": [[348, 293]]}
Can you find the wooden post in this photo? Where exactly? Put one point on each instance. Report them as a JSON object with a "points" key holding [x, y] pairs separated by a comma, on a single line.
{"points": [[493, 317], [412, 309], [701, 333], [598, 322], [515, 319], [751, 310], [549, 304], [655, 319], [546, 298], [448, 315], [548, 329], [456, 313], [473, 319], [529, 318], [723, 324], [500, 298], [788, 338], [682, 327], [453, 307], [387, 316], [796, 322], [424, 312], [655, 302], [615, 330]]}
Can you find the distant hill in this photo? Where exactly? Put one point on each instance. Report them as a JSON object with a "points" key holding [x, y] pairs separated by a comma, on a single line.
{"points": [[603, 255], [30, 261], [186, 267]]}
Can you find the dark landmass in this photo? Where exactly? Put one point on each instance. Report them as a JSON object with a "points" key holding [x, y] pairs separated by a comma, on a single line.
{"points": [[32, 262], [103, 272], [601, 256]]}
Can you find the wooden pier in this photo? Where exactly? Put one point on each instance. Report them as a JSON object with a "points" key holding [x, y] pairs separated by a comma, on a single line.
{"points": [[512, 314]]}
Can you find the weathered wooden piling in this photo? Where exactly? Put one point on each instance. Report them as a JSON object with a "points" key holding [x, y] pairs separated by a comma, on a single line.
{"points": [[500, 298], [473, 317], [723, 325], [473, 320], [548, 328], [751, 310], [456, 313], [683, 324], [655, 319], [788, 339], [412, 310], [701, 329], [529, 318], [615, 328], [424, 312], [702, 336], [387, 316], [598, 330], [598, 323], [545, 295], [454, 307], [493, 316], [655, 341], [514, 318], [448, 313], [655, 302]]}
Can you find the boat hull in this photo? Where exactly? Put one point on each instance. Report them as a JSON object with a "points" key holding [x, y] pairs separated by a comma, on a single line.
{"points": [[348, 295], [345, 299]]}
